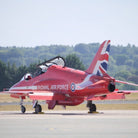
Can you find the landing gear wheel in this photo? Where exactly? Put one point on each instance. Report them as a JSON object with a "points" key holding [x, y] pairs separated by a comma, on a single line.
{"points": [[92, 107], [23, 109], [38, 108]]}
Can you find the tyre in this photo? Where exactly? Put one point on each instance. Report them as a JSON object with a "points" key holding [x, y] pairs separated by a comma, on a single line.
{"points": [[93, 107], [38, 108], [23, 109]]}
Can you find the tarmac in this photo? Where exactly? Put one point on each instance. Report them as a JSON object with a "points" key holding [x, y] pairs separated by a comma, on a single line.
{"points": [[69, 124]]}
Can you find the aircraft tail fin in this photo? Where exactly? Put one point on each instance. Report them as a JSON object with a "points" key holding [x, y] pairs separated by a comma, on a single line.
{"points": [[99, 64]]}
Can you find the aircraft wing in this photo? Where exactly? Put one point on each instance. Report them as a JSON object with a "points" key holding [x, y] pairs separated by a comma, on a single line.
{"points": [[126, 83], [116, 95], [36, 95]]}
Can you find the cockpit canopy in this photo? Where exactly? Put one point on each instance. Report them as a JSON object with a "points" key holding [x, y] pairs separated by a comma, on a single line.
{"points": [[42, 67], [54, 61]]}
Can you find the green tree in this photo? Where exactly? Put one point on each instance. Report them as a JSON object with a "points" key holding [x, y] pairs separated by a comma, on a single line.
{"points": [[120, 59], [123, 74], [3, 76], [74, 62]]}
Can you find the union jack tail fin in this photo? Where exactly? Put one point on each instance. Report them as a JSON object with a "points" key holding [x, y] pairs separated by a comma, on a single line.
{"points": [[100, 61]]}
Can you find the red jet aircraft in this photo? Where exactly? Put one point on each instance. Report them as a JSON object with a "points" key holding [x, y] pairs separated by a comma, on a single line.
{"points": [[59, 85]]}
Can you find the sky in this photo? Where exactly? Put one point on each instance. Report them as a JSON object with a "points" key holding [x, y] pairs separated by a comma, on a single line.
{"points": [[30, 23]]}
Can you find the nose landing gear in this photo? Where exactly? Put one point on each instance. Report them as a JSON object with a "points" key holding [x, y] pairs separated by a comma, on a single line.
{"points": [[23, 109]]}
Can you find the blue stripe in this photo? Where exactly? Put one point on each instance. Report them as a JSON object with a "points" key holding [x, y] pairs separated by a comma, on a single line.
{"points": [[108, 48], [98, 73], [104, 65]]}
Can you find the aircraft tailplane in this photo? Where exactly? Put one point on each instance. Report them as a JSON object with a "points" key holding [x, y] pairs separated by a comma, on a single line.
{"points": [[99, 64]]}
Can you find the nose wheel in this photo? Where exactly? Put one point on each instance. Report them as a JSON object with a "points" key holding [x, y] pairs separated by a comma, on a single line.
{"points": [[91, 106], [23, 109]]}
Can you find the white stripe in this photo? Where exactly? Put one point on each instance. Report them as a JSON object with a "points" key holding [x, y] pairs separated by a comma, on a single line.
{"points": [[96, 67], [104, 48], [106, 61], [43, 94], [85, 83], [107, 53], [100, 72], [24, 88]]}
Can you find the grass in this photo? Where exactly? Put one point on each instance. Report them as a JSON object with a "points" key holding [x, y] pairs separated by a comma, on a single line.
{"points": [[7, 98]]}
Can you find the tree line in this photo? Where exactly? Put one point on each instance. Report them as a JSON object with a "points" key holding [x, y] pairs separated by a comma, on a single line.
{"points": [[119, 55]]}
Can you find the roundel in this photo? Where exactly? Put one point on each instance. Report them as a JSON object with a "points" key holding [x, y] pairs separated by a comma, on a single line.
{"points": [[72, 87]]}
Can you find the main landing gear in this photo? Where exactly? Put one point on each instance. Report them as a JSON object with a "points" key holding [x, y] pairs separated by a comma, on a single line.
{"points": [[91, 106], [38, 108]]}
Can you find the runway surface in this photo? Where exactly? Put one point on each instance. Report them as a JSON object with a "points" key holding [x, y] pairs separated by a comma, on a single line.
{"points": [[74, 124]]}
